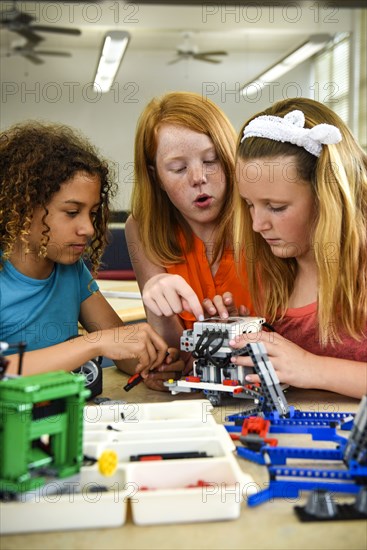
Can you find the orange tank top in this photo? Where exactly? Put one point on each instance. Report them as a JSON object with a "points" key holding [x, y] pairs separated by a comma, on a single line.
{"points": [[195, 269]]}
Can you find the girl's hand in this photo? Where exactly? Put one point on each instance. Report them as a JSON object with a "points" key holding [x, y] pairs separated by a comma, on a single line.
{"points": [[137, 341], [172, 367], [166, 295], [292, 364], [224, 306]]}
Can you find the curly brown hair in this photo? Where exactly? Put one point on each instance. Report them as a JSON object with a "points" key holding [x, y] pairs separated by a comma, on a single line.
{"points": [[35, 160]]}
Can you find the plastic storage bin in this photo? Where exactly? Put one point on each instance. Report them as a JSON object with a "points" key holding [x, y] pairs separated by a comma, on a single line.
{"points": [[167, 490]]}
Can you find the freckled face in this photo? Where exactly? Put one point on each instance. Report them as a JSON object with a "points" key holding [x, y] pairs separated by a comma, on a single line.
{"points": [[282, 205], [191, 174]]}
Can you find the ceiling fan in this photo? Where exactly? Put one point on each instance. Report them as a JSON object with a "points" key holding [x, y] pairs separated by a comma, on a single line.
{"points": [[187, 50], [21, 23], [28, 51]]}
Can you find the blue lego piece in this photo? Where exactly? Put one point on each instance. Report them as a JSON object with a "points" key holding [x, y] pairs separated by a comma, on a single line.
{"points": [[287, 481]]}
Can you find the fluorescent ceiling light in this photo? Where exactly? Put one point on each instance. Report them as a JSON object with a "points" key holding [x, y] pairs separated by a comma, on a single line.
{"points": [[114, 47], [313, 45]]}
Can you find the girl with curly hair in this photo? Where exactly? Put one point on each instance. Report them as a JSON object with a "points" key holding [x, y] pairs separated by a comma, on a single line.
{"points": [[54, 206]]}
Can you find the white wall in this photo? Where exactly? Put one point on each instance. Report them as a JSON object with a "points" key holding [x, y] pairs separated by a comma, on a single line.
{"points": [[109, 120]]}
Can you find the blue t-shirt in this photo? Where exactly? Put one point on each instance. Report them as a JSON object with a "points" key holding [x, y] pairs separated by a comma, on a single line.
{"points": [[43, 312]]}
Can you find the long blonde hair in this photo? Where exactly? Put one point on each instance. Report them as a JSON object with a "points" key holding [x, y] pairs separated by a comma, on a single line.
{"points": [[339, 183], [158, 219]]}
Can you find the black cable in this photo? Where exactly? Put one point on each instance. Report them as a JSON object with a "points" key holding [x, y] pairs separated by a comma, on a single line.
{"points": [[203, 350], [21, 347], [211, 352], [199, 344]]}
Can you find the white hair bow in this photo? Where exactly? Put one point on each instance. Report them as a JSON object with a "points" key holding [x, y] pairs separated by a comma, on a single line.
{"points": [[291, 129]]}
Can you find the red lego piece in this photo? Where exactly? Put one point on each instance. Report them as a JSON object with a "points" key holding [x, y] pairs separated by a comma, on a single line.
{"points": [[228, 382], [192, 379], [255, 425], [259, 426], [199, 483]]}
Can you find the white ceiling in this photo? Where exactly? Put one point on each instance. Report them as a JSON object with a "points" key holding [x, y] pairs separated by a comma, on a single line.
{"points": [[60, 89], [237, 28]]}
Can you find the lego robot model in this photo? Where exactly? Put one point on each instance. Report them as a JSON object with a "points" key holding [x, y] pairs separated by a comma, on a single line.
{"points": [[213, 372]]}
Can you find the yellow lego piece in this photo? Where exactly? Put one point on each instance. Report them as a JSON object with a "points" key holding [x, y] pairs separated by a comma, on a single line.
{"points": [[107, 462]]}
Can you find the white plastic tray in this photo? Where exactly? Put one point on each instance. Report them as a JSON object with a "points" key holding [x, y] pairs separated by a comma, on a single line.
{"points": [[77, 502], [160, 491], [172, 498]]}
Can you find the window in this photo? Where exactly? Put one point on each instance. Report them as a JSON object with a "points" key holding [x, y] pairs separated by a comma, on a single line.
{"points": [[332, 77], [362, 115], [341, 85]]}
